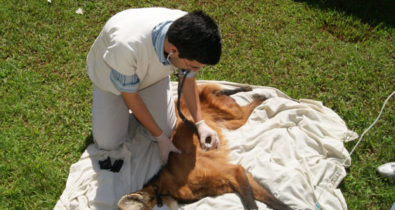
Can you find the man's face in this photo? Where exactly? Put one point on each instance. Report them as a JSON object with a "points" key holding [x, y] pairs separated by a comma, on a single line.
{"points": [[183, 63]]}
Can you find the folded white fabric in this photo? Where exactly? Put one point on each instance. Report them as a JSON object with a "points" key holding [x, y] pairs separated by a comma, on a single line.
{"points": [[294, 147]]}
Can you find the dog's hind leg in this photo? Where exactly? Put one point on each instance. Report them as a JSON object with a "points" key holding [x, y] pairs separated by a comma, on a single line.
{"points": [[244, 189], [229, 92], [245, 112], [264, 195]]}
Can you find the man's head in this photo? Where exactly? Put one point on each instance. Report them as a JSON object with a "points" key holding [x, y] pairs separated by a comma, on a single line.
{"points": [[197, 37]]}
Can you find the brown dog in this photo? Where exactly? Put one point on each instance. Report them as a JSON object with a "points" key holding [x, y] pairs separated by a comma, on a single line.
{"points": [[195, 174]]}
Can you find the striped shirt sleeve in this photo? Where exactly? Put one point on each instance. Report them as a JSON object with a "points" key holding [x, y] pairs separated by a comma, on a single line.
{"points": [[124, 83]]}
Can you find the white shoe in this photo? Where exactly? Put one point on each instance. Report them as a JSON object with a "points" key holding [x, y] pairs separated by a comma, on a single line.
{"points": [[387, 170]]}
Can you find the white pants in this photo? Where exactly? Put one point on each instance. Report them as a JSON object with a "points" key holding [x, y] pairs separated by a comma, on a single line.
{"points": [[110, 115]]}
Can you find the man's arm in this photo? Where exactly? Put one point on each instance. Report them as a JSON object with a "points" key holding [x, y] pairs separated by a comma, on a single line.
{"points": [[191, 96], [136, 104]]}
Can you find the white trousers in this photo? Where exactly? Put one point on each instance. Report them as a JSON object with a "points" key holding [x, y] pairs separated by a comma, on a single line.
{"points": [[110, 115]]}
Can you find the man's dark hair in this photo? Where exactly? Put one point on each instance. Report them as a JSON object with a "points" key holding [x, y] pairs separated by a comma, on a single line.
{"points": [[197, 37]]}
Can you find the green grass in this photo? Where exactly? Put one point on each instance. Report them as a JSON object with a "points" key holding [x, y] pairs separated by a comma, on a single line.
{"points": [[338, 52]]}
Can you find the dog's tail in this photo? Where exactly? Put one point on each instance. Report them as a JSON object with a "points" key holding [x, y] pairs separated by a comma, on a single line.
{"points": [[264, 195]]}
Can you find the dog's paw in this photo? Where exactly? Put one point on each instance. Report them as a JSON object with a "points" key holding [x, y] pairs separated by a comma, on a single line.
{"points": [[259, 98], [245, 89]]}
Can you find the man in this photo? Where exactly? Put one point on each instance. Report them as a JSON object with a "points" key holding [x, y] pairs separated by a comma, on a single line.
{"points": [[130, 63]]}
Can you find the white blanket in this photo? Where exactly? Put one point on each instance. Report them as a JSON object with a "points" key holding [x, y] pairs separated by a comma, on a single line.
{"points": [[294, 147]]}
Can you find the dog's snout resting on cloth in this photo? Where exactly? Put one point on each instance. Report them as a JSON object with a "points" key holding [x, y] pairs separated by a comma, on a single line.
{"points": [[195, 173]]}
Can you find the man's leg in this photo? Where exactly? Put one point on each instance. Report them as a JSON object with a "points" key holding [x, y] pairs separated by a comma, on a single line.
{"points": [[110, 119]]}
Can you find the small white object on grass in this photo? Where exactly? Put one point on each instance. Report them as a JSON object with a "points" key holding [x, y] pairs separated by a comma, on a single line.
{"points": [[79, 11], [387, 170]]}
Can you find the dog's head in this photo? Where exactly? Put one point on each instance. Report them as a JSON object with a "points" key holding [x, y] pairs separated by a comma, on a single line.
{"points": [[144, 201], [137, 201]]}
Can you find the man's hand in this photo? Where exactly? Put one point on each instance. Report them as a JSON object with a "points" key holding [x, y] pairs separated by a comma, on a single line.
{"points": [[206, 132], [165, 147]]}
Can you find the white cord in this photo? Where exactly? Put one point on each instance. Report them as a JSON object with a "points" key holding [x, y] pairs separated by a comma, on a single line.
{"points": [[378, 117], [317, 204]]}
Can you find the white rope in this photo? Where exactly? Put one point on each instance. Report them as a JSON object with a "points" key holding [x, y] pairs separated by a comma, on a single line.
{"points": [[317, 204], [378, 117]]}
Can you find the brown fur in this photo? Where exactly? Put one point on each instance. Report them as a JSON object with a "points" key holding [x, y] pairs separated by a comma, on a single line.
{"points": [[195, 174]]}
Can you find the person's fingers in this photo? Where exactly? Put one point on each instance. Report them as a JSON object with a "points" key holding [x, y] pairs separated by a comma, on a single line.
{"points": [[216, 142], [174, 149], [164, 156], [203, 144], [164, 150]]}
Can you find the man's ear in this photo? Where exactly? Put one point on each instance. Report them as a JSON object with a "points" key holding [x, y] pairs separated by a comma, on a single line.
{"points": [[173, 49], [170, 48]]}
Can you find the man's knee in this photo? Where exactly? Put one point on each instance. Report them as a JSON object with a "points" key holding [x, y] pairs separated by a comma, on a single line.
{"points": [[107, 141]]}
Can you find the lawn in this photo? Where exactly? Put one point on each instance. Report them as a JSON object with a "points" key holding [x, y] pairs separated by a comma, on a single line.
{"points": [[339, 52]]}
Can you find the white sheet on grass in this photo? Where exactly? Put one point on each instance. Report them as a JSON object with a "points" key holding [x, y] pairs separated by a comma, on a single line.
{"points": [[294, 147]]}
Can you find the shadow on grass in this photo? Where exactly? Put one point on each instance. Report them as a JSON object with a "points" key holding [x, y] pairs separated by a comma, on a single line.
{"points": [[88, 141], [372, 12]]}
